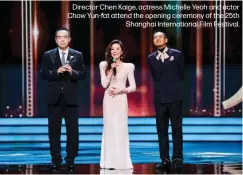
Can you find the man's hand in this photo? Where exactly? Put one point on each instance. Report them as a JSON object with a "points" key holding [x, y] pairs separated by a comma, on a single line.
{"points": [[60, 70], [68, 68], [114, 91]]}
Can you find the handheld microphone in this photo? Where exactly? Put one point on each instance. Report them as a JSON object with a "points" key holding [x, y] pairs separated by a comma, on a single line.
{"points": [[114, 69], [67, 62]]}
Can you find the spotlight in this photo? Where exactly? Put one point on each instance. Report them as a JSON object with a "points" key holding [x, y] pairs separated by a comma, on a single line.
{"points": [[35, 32]]}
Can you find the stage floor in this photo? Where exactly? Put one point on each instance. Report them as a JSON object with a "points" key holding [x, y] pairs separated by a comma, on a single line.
{"points": [[219, 168], [211, 146], [141, 152], [199, 158]]}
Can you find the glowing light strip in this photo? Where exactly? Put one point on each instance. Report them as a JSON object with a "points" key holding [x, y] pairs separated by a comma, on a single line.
{"points": [[34, 51], [224, 55], [143, 35], [150, 82], [22, 40], [218, 102], [31, 108], [215, 61], [92, 85], [219, 67], [65, 10], [198, 66], [29, 61], [217, 70], [26, 54]]}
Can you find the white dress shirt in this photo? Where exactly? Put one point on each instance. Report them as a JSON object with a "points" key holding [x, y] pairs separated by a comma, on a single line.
{"points": [[162, 55], [66, 54]]}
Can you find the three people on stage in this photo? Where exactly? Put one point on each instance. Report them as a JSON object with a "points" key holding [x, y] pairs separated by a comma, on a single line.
{"points": [[63, 67]]}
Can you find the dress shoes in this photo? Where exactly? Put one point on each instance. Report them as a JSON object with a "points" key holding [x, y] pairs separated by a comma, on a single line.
{"points": [[163, 167], [55, 168], [177, 165], [71, 168]]}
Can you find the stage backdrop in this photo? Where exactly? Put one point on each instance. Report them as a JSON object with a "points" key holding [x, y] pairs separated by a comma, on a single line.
{"points": [[213, 55]]}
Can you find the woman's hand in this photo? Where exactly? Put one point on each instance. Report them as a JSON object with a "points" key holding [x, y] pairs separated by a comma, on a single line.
{"points": [[114, 91], [113, 65]]}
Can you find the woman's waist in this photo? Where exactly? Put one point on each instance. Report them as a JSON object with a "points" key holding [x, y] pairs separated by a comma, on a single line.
{"points": [[118, 87], [120, 94]]}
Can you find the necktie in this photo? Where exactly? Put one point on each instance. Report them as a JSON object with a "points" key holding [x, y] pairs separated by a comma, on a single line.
{"points": [[162, 55], [63, 58]]}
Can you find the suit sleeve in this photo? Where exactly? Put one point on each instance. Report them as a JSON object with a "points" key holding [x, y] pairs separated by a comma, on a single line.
{"points": [[180, 64], [78, 72], [46, 72]]}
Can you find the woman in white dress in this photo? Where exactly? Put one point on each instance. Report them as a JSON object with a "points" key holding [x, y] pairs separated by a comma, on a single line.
{"points": [[115, 148]]}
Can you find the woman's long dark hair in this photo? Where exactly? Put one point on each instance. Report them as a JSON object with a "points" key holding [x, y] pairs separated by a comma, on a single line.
{"points": [[108, 56]]}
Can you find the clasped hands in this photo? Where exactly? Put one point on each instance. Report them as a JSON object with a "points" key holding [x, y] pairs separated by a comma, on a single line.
{"points": [[114, 91], [65, 68]]}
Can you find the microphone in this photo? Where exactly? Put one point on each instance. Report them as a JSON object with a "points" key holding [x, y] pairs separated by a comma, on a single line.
{"points": [[114, 69], [67, 62]]}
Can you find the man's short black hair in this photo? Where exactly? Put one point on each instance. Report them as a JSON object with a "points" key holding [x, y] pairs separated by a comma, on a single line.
{"points": [[62, 28], [164, 33]]}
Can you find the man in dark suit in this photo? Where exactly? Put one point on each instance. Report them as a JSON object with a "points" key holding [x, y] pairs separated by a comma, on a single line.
{"points": [[167, 69], [63, 67]]}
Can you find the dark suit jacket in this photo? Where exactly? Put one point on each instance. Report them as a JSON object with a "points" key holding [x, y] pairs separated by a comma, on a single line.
{"points": [[167, 77], [51, 63]]}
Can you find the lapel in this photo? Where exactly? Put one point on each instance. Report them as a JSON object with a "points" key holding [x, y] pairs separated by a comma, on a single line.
{"points": [[169, 52], [70, 56], [154, 62], [56, 57]]}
